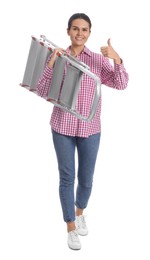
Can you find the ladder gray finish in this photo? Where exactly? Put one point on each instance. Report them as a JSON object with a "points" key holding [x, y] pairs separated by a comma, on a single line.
{"points": [[64, 89]]}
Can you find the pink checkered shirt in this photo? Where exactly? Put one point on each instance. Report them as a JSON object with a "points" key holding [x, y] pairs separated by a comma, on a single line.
{"points": [[113, 76]]}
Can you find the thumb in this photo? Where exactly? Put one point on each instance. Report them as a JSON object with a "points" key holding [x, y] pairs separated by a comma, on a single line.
{"points": [[108, 42]]}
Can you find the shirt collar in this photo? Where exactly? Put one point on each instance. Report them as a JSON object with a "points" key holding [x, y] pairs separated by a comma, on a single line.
{"points": [[85, 51]]}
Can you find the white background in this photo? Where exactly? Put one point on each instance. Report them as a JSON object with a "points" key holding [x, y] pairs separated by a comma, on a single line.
{"points": [[31, 224]]}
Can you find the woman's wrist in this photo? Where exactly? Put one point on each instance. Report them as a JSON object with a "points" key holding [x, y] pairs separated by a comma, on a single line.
{"points": [[51, 63], [118, 60]]}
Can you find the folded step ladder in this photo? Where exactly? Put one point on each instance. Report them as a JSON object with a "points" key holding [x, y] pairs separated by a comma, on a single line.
{"points": [[63, 91]]}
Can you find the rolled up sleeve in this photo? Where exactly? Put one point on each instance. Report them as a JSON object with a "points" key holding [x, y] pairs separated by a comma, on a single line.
{"points": [[45, 82], [114, 76]]}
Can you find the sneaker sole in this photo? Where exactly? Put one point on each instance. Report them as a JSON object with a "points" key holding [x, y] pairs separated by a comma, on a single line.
{"points": [[74, 248]]}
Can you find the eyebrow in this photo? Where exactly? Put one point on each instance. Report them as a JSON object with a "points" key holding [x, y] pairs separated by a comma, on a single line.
{"points": [[79, 28]]}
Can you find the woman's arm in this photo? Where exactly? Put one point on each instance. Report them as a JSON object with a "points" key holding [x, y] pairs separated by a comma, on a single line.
{"points": [[44, 82], [113, 76], [46, 78]]}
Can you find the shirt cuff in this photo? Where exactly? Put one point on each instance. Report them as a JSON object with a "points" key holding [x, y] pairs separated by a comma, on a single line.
{"points": [[119, 67]]}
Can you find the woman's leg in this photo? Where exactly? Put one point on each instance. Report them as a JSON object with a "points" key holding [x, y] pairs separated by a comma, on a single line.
{"points": [[65, 151], [87, 154]]}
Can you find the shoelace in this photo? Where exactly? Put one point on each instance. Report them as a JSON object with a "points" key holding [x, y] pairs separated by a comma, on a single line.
{"points": [[74, 235], [81, 221]]}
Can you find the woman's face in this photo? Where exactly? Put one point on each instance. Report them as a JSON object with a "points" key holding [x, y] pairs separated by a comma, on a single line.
{"points": [[79, 32]]}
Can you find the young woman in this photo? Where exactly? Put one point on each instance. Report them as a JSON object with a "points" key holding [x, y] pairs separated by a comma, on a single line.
{"points": [[70, 133]]}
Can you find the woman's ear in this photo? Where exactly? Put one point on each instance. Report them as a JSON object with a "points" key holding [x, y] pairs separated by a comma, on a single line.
{"points": [[67, 31]]}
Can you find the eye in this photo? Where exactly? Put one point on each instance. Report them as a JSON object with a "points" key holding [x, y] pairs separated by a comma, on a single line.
{"points": [[85, 29]]}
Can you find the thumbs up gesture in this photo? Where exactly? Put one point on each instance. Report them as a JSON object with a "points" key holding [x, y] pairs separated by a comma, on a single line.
{"points": [[109, 52]]}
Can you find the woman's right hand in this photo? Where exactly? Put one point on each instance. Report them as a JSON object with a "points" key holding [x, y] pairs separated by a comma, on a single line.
{"points": [[55, 54]]}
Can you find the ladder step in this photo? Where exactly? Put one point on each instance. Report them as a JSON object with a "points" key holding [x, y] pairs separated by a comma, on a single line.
{"points": [[57, 79], [70, 88]]}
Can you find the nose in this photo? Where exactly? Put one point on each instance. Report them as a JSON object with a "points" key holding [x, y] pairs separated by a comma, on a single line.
{"points": [[79, 31]]}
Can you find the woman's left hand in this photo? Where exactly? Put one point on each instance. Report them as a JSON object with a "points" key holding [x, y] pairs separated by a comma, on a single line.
{"points": [[109, 52]]}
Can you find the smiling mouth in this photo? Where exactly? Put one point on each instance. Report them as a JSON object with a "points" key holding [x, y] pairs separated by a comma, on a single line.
{"points": [[79, 38]]}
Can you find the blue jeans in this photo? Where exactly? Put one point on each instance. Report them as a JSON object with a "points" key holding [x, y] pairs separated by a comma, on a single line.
{"points": [[87, 149]]}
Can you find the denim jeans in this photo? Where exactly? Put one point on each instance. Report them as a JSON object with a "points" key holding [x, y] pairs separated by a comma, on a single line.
{"points": [[87, 149]]}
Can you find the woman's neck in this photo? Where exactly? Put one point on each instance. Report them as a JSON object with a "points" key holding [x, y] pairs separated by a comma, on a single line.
{"points": [[75, 51]]}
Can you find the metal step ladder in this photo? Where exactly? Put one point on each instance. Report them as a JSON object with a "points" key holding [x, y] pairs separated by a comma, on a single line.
{"points": [[63, 92]]}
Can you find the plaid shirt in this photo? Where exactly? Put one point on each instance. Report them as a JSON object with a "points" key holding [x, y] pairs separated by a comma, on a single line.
{"points": [[113, 76]]}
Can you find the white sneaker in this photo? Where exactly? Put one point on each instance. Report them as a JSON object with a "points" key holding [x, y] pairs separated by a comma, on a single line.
{"points": [[73, 240], [81, 225]]}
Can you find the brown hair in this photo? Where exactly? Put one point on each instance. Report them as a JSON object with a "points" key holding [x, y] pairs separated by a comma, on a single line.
{"points": [[79, 16]]}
